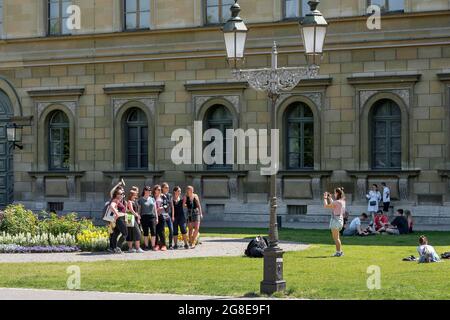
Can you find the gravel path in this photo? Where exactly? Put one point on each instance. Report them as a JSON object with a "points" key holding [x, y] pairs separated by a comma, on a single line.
{"points": [[210, 247]]}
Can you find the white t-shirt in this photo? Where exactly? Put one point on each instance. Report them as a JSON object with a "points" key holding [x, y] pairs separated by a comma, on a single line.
{"points": [[386, 194], [423, 249], [354, 224]]}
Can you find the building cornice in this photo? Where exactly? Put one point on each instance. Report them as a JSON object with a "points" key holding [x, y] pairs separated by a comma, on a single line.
{"points": [[131, 173], [200, 85], [444, 76], [216, 173], [154, 88], [56, 174], [56, 92], [384, 77]]}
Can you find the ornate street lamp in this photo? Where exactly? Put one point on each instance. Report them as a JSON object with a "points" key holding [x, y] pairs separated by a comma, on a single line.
{"points": [[235, 33], [14, 134], [313, 30], [274, 81]]}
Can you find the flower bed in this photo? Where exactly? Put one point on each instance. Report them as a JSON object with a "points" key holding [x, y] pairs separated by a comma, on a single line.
{"points": [[13, 248], [22, 231]]}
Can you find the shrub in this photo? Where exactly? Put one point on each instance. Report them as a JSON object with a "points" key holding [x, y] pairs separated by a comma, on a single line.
{"points": [[69, 224], [16, 219]]}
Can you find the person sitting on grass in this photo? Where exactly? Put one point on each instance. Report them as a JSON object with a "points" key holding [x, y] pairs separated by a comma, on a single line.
{"points": [[399, 225], [410, 220], [426, 252], [381, 221], [355, 226]]}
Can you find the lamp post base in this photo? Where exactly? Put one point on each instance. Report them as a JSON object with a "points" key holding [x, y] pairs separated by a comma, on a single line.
{"points": [[273, 271]]}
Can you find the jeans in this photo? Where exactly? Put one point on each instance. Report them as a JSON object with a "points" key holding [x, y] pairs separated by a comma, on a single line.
{"points": [[169, 224], [350, 232], [160, 231], [121, 228]]}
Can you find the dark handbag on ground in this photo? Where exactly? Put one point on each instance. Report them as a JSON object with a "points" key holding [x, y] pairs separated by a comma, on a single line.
{"points": [[256, 247]]}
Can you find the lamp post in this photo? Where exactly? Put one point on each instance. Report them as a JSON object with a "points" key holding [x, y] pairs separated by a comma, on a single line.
{"points": [[274, 81]]}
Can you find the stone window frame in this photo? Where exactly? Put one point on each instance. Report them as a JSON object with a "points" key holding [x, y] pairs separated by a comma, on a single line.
{"points": [[139, 125], [2, 20], [61, 19], [300, 14], [220, 13], [124, 16], [406, 6], [301, 136], [121, 108], [51, 126], [364, 129], [444, 77], [314, 101], [372, 117], [202, 105], [45, 111]]}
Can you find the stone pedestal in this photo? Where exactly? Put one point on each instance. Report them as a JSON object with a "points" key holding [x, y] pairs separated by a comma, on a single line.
{"points": [[273, 271]]}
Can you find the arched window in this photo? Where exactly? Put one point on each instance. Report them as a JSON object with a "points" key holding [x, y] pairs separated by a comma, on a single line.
{"points": [[219, 117], [136, 147], [299, 136], [386, 135], [59, 141]]}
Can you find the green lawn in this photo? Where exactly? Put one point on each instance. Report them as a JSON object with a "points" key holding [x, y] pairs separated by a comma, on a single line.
{"points": [[309, 274]]}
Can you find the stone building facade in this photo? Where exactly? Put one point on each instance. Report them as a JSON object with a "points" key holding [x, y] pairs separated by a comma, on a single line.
{"points": [[100, 103]]}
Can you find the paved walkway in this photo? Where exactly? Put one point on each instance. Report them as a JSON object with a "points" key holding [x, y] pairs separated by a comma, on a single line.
{"points": [[210, 247], [33, 294]]}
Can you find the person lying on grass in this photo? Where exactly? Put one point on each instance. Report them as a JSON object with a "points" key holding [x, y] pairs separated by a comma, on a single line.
{"points": [[426, 252], [355, 228]]}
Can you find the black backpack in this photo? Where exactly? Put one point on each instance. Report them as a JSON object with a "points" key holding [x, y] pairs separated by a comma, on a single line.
{"points": [[445, 255], [256, 247]]}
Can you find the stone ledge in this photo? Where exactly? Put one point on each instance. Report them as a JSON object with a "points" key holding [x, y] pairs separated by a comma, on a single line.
{"points": [[215, 173], [319, 81], [202, 85], [56, 91], [384, 77], [444, 76], [153, 88], [55, 174], [305, 173], [128, 174]]}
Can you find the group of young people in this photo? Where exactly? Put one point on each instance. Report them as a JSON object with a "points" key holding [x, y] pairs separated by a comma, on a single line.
{"points": [[150, 214], [402, 223]]}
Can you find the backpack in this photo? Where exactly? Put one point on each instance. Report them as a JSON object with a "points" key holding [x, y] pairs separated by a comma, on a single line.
{"points": [[445, 255], [256, 247]]}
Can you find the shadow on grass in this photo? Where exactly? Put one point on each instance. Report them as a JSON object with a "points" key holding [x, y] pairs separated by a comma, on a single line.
{"points": [[436, 238]]}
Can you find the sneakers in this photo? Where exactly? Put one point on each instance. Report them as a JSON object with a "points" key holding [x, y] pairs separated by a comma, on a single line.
{"points": [[118, 251], [186, 246], [140, 251], [156, 248], [338, 254], [146, 249], [171, 248], [163, 248], [131, 250], [110, 250]]}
